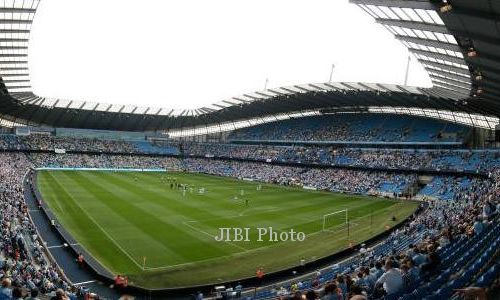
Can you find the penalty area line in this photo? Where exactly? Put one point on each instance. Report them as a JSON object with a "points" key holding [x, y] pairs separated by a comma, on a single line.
{"points": [[258, 210], [211, 235]]}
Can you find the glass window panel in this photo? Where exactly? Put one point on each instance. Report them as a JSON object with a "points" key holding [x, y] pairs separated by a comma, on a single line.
{"points": [[437, 19], [400, 13], [115, 108], [389, 12], [432, 49], [399, 30], [365, 8], [441, 37], [377, 11], [422, 13], [412, 14], [91, 105], [442, 51], [430, 35], [420, 33], [424, 48], [29, 3], [409, 32], [451, 53], [451, 39]]}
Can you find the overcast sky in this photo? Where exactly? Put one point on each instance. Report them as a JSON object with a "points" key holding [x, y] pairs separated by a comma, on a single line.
{"points": [[189, 53]]}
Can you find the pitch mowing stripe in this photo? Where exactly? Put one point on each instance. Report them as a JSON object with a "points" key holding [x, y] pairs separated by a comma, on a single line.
{"points": [[305, 226], [177, 239], [294, 210], [183, 201], [181, 207], [139, 218], [173, 205], [215, 210], [299, 216], [291, 214], [82, 214], [340, 233], [128, 233], [213, 236], [47, 183], [140, 191], [134, 241], [237, 264], [102, 229], [143, 192], [281, 217]]}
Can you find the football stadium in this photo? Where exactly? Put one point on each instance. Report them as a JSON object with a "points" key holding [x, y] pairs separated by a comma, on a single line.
{"points": [[333, 190]]}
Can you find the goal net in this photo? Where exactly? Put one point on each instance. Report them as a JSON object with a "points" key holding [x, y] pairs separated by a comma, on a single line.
{"points": [[336, 221]]}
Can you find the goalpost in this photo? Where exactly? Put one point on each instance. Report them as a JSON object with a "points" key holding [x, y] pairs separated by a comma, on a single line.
{"points": [[336, 221]]}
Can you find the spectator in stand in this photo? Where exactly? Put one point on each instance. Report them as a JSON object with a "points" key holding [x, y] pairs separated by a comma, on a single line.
{"points": [[5, 290], [17, 294], [311, 295], [33, 295], [413, 270], [432, 264], [368, 279], [478, 226], [408, 281], [332, 292], [378, 271], [391, 280], [356, 292], [30, 270], [60, 295], [419, 257]]}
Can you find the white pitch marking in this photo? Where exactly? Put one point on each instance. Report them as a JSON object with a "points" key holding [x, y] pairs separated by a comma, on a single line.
{"points": [[211, 235], [105, 232], [84, 282], [60, 246]]}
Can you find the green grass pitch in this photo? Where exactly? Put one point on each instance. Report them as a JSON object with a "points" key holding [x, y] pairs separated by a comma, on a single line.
{"points": [[122, 217]]}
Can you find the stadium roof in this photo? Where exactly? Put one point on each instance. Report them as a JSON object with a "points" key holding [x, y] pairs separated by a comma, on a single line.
{"points": [[457, 42], [441, 36]]}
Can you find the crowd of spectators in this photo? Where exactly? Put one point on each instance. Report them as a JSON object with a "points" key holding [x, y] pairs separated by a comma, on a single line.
{"points": [[455, 160], [355, 128], [450, 188], [50, 143], [23, 263], [396, 271], [25, 267], [342, 180], [104, 161]]}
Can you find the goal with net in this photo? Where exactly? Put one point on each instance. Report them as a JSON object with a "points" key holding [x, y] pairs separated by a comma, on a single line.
{"points": [[336, 221]]}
